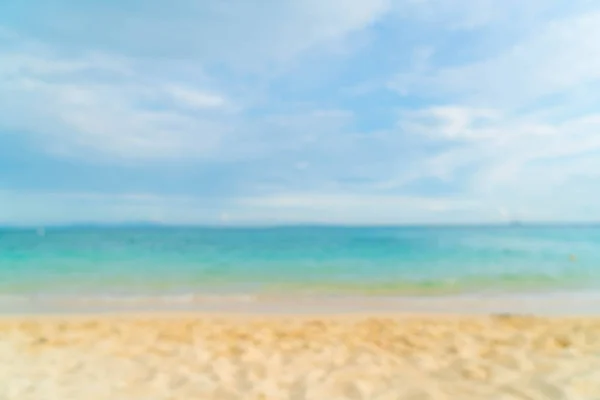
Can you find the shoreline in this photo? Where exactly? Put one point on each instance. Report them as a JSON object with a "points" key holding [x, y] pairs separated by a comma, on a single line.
{"points": [[556, 303]]}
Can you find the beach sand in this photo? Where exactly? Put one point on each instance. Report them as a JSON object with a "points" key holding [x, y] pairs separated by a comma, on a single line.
{"points": [[185, 356]]}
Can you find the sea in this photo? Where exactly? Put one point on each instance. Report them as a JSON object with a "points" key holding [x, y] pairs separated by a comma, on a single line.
{"points": [[189, 262]]}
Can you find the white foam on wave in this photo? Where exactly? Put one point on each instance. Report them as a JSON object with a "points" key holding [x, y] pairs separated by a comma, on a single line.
{"points": [[555, 303], [92, 304]]}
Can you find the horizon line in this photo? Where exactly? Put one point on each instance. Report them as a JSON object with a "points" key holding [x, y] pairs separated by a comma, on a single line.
{"points": [[513, 224]]}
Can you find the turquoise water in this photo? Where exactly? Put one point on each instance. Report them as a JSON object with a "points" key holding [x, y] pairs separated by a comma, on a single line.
{"points": [[407, 260]]}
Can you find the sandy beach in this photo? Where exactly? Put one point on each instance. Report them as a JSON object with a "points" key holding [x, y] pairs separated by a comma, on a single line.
{"points": [[204, 356]]}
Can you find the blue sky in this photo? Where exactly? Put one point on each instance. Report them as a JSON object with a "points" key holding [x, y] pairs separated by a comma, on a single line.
{"points": [[339, 111]]}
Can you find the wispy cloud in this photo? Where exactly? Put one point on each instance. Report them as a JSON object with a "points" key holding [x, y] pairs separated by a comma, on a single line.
{"points": [[236, 34], [561, 55], [94, 104], [195, 99], [384, 111]]}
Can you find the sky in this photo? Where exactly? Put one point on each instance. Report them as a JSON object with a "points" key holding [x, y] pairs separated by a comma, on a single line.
{"points": [[299, 111]]}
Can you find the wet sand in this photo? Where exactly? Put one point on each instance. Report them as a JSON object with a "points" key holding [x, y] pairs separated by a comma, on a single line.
{"points": [[326, 356]]}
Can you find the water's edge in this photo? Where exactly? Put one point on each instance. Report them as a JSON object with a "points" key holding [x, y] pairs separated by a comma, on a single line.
{"points": [[576, 303]]}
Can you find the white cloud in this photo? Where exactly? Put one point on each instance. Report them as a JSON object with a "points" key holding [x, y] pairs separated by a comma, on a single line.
{"points": [[511, 137], [451, 122], [195, 99], [506, 15], [241, 34], [560, 56], [84, 115], [462, 14], [348, 208], [39, 208], [86, 95], [513, 161], [329, 201], [519, 126], [139, 91], [47, 208]]}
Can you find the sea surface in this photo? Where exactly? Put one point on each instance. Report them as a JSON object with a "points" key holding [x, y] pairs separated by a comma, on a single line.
{"points": [[414, 261]]}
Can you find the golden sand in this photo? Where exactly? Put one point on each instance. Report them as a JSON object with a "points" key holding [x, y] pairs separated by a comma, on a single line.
{"points": [[322, 357]]}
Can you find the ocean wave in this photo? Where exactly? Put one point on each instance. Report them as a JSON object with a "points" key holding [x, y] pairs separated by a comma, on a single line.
{"points": [[133, 299]]}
